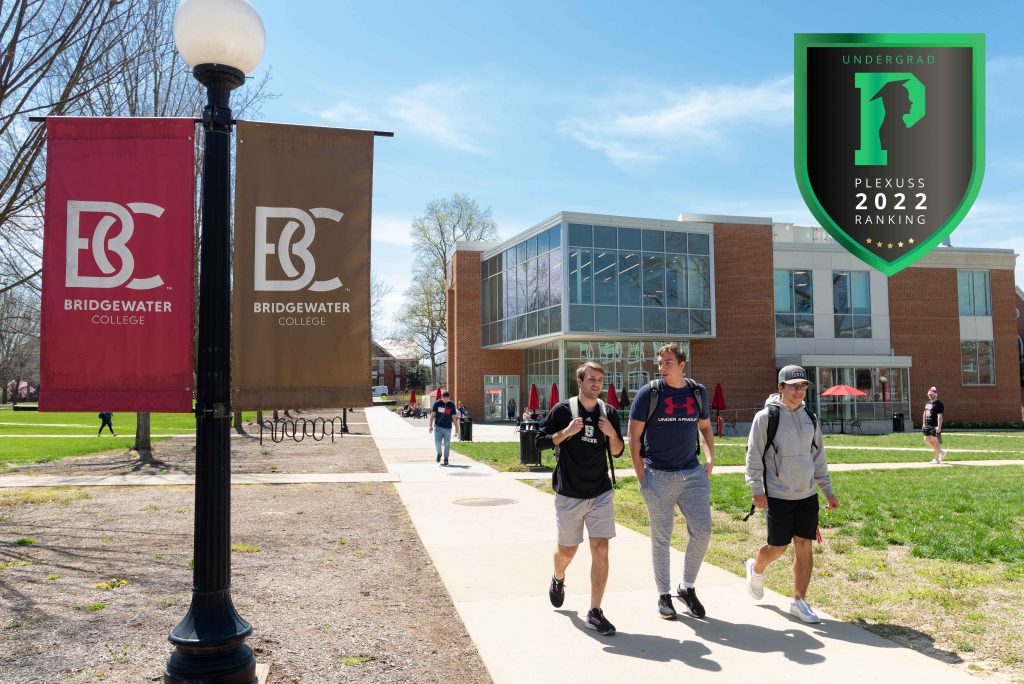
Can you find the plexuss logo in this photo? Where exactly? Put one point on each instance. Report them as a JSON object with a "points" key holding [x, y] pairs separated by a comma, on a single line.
{"points": [[103, 242], [294, 240], [889, 144]]}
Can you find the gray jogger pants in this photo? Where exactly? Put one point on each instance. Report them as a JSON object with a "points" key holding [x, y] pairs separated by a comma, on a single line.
{"points": [[662, 491]]}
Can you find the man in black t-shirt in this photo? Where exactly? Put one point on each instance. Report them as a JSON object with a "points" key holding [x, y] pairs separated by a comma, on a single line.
{"points": [[931, 425], [442, 416], [583, 429]]}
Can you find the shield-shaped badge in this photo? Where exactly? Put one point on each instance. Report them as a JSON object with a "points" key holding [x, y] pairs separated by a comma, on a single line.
{"points": [[890, 138]]}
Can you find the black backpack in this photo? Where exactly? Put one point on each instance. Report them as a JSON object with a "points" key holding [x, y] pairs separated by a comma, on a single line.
{"points": [[652, 406], [773, 429]]}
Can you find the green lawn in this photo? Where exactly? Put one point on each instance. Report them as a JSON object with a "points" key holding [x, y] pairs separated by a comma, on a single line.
{"points": [[504, 456], [76, 433]]}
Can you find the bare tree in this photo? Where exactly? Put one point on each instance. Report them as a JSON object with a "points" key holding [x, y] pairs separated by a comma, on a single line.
{"points": [[423, 321], [19, 341], [378, 291]]}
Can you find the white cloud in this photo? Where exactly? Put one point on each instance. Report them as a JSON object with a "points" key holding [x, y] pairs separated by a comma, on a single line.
{"points": [[391, 230], [678, 120], [446, 113]]}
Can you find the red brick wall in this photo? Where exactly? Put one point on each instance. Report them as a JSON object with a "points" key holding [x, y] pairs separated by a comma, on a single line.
{"points": [[925, 324], [742, 358], [467, 362]]}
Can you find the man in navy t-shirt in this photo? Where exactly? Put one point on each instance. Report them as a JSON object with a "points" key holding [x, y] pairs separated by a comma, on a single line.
{"points": [[442, 415], [664, 452]]}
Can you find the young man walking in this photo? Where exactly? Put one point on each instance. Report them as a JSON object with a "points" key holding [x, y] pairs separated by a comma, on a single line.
{"points": [[931, 425], [782, 476], [583, 429], [666, 417], [442, 415]]}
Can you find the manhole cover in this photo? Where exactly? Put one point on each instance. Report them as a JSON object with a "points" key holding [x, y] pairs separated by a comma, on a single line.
{"points": [[484, 502], [469, 474]]}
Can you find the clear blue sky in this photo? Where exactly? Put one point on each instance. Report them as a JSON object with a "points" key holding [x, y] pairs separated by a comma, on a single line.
{"points": [[642, 109]]}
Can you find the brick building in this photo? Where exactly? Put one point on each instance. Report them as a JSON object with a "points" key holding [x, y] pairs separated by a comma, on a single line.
{"points": [[390, 363], [744, 296]]}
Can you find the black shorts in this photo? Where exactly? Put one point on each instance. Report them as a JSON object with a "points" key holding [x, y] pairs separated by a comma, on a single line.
{"points": [[788, 519], [930, 431]]}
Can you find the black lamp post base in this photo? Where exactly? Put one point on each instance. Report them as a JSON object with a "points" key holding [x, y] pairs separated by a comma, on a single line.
{"points": [[210, 644], [203, 666]]}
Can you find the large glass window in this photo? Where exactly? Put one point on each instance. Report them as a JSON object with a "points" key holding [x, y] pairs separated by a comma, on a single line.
{"points": [[606, 281], [974, 293], [555, 264], [851, 300], [977, 362], [654, 279], [581, 276], [794, 304], [629, 278]]}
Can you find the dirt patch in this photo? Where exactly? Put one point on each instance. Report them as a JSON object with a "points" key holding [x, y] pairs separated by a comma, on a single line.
{"points": [[333, 578]]}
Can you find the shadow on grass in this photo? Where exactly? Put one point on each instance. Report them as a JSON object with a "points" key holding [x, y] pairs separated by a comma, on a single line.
{"points": [[649, 647]]}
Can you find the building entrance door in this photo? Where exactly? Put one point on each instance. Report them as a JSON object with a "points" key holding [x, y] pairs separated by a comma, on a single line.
{"points": [[494, 403]]}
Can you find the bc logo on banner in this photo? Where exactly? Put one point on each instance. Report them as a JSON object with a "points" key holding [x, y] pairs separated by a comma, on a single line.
{"points": [[102, 242], [890, 144], [289, 244]]}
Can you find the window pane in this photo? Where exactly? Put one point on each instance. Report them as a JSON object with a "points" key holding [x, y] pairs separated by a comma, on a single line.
{"points": [[861, 326], [520, 252], [531, 285], [631, 319], [700, 322], [965, 297], [555, 264], [606, 236], [982, 296], [675, 280], [581, 318], [654, 320], [675, 242], [969, 362], [844, 326], [523, 288], [654, 240], [805, 325], [629, 238], [699, 243], [531, 247], [986, 370], [542, 242], [803, 296], [555, 322], [543, 281], [784, 325], [580, 236], [698, 282], [629, 278], [581, 276], [606, 282], [606, 319], [654, 280], [861, 292], [520, 327], [678, 322], [840, 294], [543, 316], [555, 236], [510, 329], [783, 293], [531, 324], [510, 293]]}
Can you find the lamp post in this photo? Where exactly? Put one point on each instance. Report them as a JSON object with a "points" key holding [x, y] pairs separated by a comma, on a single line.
{"points": [[221, 40]]}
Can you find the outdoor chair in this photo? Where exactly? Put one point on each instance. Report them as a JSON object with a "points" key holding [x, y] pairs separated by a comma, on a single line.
{"points": [[729, 425], [855, 426]]}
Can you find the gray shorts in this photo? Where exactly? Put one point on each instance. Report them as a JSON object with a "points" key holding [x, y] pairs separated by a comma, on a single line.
{"points": [[571, 514]]}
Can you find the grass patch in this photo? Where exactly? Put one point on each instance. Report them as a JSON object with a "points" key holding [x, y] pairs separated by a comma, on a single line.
{"points": [[16, 564], [53, 576], [46, 495], [25, 541], [245, 548], [354, 660], [95, 607]]}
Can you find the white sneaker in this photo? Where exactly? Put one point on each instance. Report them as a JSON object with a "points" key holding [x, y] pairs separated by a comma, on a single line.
{"points": [[934, 461], [803, 611], [942, 455], [755, 581]]}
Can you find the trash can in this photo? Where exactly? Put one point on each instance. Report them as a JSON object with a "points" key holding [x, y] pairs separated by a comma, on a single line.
{"points": [[897, 422], [465, 430], [529, 454]]}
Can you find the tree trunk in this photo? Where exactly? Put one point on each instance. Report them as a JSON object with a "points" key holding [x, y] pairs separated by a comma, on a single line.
{"points": [[143, 443], [276, 417], [237, 423], [259, 416]]}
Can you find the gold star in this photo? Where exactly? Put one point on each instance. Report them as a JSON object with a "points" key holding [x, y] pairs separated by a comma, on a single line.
{"points": [[911, 240], [868, 241], [890, 245], [900, 245]]}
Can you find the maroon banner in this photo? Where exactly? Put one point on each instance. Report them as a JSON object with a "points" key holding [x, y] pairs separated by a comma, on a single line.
{"points": [[118, 285]]}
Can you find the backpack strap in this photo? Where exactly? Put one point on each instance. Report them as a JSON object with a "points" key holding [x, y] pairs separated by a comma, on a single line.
{"points": [[574, 407], [771, 430], [652, 406], [607, 442], [695, 391]]}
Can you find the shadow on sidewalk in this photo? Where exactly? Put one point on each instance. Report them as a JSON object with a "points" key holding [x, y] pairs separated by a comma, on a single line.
{"points": [[649, 647], [795, 645]]}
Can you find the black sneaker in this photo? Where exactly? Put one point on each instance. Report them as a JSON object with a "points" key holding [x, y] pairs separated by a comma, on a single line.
{"points": [[665, 607], [599, 623], [557, 592], [438, 458], [693, 605]]}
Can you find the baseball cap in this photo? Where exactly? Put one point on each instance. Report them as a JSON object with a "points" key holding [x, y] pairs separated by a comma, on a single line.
{"points": [[793, 374], [932, 390]]}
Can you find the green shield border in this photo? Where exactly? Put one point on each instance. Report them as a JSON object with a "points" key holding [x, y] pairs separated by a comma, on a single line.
{"points": [[802, 41]]}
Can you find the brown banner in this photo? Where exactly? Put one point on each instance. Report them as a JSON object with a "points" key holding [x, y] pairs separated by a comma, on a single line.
{"points": [[301, 302]]}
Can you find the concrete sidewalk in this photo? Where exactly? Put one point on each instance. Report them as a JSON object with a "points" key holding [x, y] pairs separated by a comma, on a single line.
{"points": [[491, 539]]}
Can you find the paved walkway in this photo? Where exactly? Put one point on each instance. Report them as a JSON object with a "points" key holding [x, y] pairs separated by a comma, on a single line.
{"points": [[491, 539]]}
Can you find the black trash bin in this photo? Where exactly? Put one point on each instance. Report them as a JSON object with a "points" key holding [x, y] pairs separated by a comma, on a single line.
{"points": [[529, 454], [897, 422], [465, 430]]}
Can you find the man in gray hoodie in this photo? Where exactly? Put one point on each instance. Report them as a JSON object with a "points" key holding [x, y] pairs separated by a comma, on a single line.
{"points": [[782, 478]]}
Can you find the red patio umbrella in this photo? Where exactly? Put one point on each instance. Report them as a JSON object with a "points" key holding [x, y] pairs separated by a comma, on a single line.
{"points": [[843, 391], [412, 397], [718, 401], [534, 403], [624, 398], [613, 400], [437, 394], [553, 399]]}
